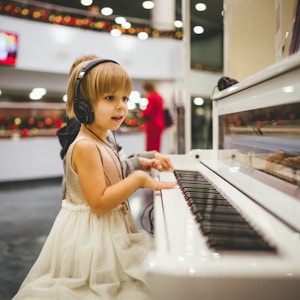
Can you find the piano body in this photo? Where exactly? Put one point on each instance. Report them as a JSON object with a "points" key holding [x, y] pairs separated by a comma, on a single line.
{"points": [[230, 229]]}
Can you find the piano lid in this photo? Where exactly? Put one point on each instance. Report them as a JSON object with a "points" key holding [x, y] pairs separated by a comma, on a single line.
{"points": [[286, 65]]}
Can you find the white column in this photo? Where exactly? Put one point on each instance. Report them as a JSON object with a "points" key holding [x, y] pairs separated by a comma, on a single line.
{"points": [[249, 37], [185, 4], [254, 34], [163, 14]]}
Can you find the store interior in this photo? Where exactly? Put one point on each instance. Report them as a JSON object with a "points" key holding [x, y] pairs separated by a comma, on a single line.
{"points": [[186, 71]]}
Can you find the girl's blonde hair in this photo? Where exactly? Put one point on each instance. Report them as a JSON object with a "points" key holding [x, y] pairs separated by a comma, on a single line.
{"points": [[104, 78]]}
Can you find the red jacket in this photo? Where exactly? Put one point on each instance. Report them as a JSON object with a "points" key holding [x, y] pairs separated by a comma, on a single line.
{"points": [[154, 113], [154, 121]]}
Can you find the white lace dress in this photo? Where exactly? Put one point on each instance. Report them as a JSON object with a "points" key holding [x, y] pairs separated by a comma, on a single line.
{"points": [[87, 256]]}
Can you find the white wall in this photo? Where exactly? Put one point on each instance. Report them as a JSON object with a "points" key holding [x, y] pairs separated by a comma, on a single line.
{"points": [[47, 51], [203, 83], [53, 48]]}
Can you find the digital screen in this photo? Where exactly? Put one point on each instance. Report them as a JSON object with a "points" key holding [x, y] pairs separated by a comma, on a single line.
{"points": [[8, 48]]}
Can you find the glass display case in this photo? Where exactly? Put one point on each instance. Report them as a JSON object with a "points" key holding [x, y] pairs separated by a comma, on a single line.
{"points": [[267, 139], [22, 119]]}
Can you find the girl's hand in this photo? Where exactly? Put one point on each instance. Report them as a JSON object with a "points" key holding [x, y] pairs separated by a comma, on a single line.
{"points": [[165, 162], [148, 182], [147, 164], [159, 162]]}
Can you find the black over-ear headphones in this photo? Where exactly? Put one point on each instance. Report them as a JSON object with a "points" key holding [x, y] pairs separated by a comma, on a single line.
{"points": [[83, 108], [225, 82]]}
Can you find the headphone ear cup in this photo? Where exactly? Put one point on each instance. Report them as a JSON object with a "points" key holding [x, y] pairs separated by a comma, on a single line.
{"points": [[82, 108], [225, 82], [83, 111]]}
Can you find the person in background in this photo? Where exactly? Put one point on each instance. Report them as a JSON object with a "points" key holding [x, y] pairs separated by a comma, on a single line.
{"points": [[138, 161], [153, 117], [94, 250]]}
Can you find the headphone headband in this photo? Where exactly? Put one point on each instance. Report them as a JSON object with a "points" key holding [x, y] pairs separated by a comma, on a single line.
{"points": [[83, 108], [85, 70]]}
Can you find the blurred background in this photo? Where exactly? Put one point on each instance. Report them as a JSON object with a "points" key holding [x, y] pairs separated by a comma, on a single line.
{"points": [[183, 47]]}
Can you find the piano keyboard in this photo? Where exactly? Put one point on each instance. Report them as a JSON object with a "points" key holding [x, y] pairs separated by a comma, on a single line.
{"points": [[222, 225]]}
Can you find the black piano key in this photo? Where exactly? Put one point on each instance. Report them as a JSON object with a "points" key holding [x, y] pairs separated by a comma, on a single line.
{"points": [[218, 220], [206, 204], [240, 243], [196, 185], [214, 217], [204, 198], [214, 209], [187, 173], [221, 228], [192, 181], [206, 190], [189, 176], [194, 191], [237, 238], [223, 232], [203, 195], [198, 188], [208, 200]]}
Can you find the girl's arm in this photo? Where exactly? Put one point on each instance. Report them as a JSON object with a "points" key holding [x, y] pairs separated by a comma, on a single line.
{"points": [[86, 161]]}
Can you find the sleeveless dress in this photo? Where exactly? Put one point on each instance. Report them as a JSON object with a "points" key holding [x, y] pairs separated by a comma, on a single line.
{"points": [[87, 256]]}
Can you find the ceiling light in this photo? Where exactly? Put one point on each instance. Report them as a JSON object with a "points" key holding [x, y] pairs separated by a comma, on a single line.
{"points": [[198, 29], [86, 2], [106, 11], [120, 20], [148, 4], [33, 96], [200, 6], [40, 91], [37, 93], [135, 96], [131, 105], [144, 102], [126, 25], [143, 35], [198, 101], [115, 32], [178, 24]]}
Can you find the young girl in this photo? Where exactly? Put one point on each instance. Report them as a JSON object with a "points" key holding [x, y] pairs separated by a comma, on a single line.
{"points": [[137, 161], [94, 250]]}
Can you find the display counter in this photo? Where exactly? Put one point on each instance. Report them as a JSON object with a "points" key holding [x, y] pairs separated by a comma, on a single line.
{"points": [[30, 158]]}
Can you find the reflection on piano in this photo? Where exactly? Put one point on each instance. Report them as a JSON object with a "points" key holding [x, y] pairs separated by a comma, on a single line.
{"points": [[230, 229]]}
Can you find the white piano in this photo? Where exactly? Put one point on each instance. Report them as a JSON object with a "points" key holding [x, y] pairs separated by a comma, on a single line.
{"points": [[230, 229]]}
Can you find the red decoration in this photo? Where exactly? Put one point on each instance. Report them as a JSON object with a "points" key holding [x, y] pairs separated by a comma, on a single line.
{"points": [[48, 121], [33, 12], [40, 124], [25, 132], [31, 121]]}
